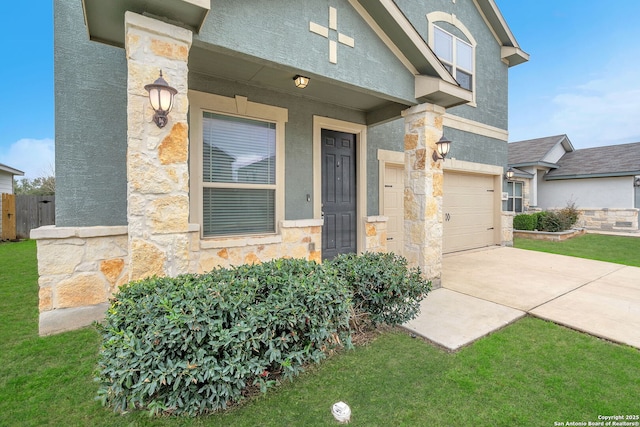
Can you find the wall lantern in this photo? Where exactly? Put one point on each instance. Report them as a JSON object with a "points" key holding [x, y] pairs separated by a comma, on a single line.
{"points": [[161, 99], [301, 81], [510, 173], [442, 149], [636, 181]]}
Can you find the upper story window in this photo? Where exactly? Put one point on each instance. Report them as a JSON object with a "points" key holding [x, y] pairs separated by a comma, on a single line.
{"points": [[456, 55], [455, 47]]}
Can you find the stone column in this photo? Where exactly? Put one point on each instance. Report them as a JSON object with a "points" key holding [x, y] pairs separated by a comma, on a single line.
{"points": [[157, 158], [423, 190]]}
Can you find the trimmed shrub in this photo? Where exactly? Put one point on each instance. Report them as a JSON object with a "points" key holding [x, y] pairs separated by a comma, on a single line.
{"points": [[193, 344], [384, 288], [526, 222]]}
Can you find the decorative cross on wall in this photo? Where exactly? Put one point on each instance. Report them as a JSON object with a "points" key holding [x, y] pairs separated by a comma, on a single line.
{"points": [[324, 32]]}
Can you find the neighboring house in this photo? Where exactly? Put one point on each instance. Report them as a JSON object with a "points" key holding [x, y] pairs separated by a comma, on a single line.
{"points": [[6, 187], [6, 178], [251, 167], [603, 182]]}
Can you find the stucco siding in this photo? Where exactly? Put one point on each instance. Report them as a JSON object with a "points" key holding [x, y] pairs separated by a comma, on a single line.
{"points": [[491, 73], [247, 28], [91, 124], [614, 192]]}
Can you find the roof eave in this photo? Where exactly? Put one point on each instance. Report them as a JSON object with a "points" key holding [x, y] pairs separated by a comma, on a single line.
{"points": [[514, 55], [591, 175], [12, 171], [529, 164], [105, 19], [401, 32]]}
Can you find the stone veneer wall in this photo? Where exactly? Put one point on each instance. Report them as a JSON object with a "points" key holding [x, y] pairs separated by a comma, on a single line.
{"points": [[609, 219], [81, 267], [376, 234], [423, 190], [507, 228]]}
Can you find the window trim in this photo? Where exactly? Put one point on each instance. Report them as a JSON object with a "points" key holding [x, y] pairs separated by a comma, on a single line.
{"points": [[438, 16], [239, 106]]}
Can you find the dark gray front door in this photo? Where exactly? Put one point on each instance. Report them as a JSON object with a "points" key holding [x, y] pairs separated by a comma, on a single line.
{"points": [[338, 193]]}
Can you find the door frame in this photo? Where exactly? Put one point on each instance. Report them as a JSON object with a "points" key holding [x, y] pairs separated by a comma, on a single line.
{"points": [[360, 131]]}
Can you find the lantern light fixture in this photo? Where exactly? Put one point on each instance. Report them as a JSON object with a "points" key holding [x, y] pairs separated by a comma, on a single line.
{"points": [[442, 149], [301, 81], [161, 99], [510, 173]]}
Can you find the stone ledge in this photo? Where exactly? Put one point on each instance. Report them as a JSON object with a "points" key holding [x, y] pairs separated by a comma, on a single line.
{"points": [[299, 223], [239, 242], [53, 232], [379, 218], [68, 319], [551, 236]]}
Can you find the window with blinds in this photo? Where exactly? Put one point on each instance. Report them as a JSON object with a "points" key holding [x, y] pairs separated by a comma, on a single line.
{"points": [[239, 175]]}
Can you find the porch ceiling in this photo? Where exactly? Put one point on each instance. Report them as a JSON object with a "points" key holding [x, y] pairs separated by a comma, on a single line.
{"points": [[264, 74]]}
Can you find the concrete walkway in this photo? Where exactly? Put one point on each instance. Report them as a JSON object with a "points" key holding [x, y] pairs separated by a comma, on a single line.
{"points": [[488, 289]]}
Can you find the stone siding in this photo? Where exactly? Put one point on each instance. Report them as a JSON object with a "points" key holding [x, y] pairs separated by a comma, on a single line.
{"points": [[81, 267], [376, 234], [549, 236], [609, 219], [423, 190], [507, 228]]}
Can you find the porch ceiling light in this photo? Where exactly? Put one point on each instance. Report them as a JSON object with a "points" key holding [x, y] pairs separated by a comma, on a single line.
{"points": [[301, 81], [510, 173], [442, 149], [161, 99]]}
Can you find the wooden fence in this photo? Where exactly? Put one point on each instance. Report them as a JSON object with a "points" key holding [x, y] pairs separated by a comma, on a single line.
{"points": [[33, 212], [8, 220]]}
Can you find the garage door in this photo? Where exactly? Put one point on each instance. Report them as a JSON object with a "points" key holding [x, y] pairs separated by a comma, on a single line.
{"points": [[468, 211]]}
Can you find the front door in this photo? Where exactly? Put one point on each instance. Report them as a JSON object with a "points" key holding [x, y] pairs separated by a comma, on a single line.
{"points": [[338, 193]]}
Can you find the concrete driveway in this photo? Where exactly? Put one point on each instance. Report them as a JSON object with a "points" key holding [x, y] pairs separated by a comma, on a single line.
{"points": [[488, 289]]}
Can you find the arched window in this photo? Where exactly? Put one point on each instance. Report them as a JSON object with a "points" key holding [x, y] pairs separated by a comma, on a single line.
{"points": [[456, 53]]}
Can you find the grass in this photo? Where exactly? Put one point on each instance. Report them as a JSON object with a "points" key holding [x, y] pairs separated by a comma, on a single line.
{"points": [[617, 249], [530, 373]]}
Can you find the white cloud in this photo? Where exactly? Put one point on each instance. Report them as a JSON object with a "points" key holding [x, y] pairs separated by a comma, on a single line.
{"points": [[35, 157], [602, 111]]}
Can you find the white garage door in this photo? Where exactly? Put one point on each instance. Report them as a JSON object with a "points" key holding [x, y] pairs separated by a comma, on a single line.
{"points": [[468, 211]]}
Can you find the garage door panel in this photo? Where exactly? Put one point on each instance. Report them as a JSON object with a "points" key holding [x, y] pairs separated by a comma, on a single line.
{"points": [[468, 208]]}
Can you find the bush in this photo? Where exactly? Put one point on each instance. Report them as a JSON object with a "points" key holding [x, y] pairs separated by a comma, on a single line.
{"points": [[540, 219], [569, 215], [193, 344], [550, 222], [384, 288], [562, 220], [526, 222]]}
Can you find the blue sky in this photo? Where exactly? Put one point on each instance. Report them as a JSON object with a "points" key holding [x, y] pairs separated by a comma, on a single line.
{"points": [[583, 78]]}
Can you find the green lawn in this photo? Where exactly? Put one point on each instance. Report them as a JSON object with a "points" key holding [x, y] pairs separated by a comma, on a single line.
{"points": [[530, 373], [618, 249]]}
